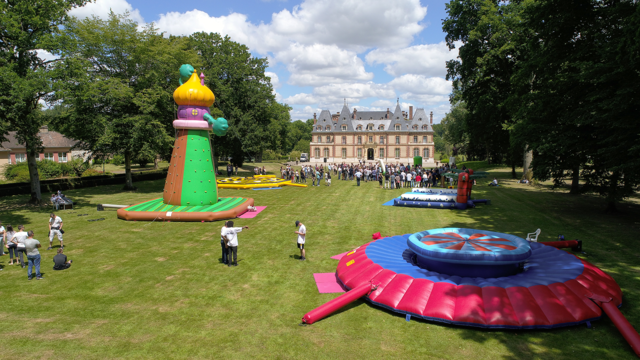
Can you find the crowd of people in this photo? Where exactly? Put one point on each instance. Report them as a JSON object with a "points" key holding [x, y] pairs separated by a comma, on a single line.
{"points": [[397, 175], [21, 244]]}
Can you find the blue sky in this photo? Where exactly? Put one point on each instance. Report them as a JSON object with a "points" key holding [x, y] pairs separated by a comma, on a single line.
{"points": [[322, 51]]}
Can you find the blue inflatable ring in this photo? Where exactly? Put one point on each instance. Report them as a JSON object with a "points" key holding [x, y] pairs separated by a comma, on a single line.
{"points": [[469, 246]]}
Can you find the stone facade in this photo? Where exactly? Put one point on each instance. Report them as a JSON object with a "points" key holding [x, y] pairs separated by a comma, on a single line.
{"points": [[371, 135]]}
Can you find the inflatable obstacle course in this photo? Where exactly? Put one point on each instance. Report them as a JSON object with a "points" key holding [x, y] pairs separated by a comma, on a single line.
{"points": [[190, 191], [432, 275], [459, 198], [258, 181]]}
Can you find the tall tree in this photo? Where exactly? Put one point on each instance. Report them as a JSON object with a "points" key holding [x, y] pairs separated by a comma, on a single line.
{"points": [[117, 87], [27, 26], [243, 93], [482, 75], [580, 105]]}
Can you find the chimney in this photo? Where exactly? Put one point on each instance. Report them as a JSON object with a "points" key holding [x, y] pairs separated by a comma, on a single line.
{"points": [[354, 112], [314, 119], [388, 113], [431, 118], [410, 112], [44, 129]]}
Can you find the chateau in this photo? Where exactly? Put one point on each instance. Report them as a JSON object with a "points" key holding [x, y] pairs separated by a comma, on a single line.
{"points": [[371, 135]]}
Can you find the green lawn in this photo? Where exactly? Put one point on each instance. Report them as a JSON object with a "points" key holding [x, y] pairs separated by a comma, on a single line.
{"points": [[158, 290]]}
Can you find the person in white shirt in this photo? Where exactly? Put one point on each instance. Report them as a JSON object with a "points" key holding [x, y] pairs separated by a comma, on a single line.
{"points": [[302, 234], [231, 234], [223, 244], [55, 228], [3, 240], [19, 238]]}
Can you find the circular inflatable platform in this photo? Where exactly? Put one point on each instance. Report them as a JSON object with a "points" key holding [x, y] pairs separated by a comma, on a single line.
{"points": [[468, 252], [550, 288]]}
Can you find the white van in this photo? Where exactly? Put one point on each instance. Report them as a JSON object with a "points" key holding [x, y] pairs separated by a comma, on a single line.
{"points": [[304, 157]]}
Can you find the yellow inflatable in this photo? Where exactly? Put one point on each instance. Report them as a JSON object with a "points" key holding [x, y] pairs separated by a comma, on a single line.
{"points": [[258, 181]]}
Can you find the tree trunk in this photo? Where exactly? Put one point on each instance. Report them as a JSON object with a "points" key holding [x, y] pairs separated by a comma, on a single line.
{"points": [[513, 170], [155, 162], [528, 157], [612, 193], [127, 170], [575, 181], [34, 177]]}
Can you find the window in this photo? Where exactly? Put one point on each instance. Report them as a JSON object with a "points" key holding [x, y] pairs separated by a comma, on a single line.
{"points": [[424, 139], [415, 127], [327, 128], [344, 140], [359, 153], [426, 153], [370, 138], [381, 153], [370, 127], [9, 155], [319, 139], [359, 140], [48, 156], [21, 158], [397, 153], [344, 153], [62, 157], [415, 140], [425, 127], [328, 139], [397, 140], [359, 128], [420, 119], [397, 127], [381, 127], [416, 152], [317, 153], [381, 140], [319, 128], [344, 127], [326, 152]]}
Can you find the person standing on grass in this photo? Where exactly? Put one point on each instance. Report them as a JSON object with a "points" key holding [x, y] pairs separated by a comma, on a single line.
{"points": [[232, 242], [318, 177], [358, 176], [302, 235], [60, 261], [33, 255], [8, 237], [55, 228], [19, 238], [223, 243], [329, 178], [3, 239]]}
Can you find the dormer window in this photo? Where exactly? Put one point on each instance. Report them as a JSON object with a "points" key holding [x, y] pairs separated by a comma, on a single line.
{"points": [[319, 128], [359, 128], [420, 119], [415, 127], [425, 127], [381, 127], [327, 128], [370, 127], [397, 127], [344, 127]]}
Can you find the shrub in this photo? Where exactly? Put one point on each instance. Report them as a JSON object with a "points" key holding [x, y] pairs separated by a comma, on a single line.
{"points": [[270, 155], [295, 155], [118, 160], [17, 172], [49, 169], [91, 172]]}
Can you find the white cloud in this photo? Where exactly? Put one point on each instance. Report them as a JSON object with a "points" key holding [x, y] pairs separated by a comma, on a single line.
{"points": [[425, 99], [45, 55], [275, 80], [301, 99], [426, 59], [349, 24], [303, 114], [322, 64], [421, 85], [354, 92], [101, 9], [383, 103]]}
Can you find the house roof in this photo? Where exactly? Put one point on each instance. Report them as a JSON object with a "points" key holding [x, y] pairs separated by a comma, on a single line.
{"points": [[50, 139]]}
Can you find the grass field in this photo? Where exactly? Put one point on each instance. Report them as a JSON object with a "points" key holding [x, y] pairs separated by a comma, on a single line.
{"points": [[141, 290]]}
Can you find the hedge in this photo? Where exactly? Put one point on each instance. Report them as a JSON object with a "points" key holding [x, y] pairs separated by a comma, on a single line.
{"points": [[51, 186]]}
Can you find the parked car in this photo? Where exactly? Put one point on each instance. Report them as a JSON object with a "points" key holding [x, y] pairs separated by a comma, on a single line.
{"points": [[304, 157]]}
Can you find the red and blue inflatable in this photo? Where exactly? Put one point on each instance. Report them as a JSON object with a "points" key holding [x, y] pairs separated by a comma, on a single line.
{"points": [[478, 278]]}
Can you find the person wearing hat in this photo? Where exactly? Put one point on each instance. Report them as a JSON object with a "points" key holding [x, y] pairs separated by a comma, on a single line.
{"points": [[302, 233]]}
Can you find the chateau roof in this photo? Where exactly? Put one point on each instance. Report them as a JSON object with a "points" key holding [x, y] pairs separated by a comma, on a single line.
{"points": [[377, 118]]}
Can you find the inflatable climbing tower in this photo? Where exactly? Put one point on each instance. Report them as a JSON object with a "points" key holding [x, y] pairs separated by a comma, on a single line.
{"points": [[190, 190]]}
